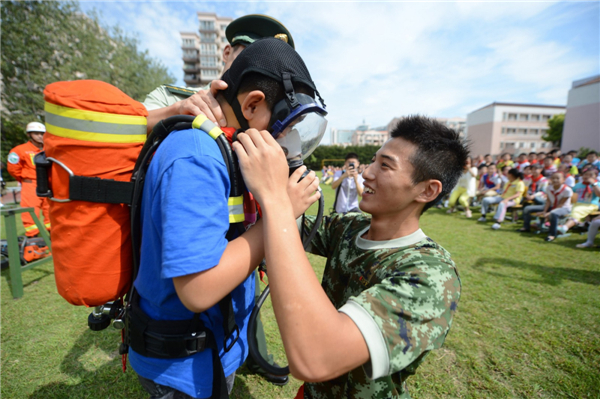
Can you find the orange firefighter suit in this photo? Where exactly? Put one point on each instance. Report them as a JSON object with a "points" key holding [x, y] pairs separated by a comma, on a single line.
{"points": [[22, 167]]}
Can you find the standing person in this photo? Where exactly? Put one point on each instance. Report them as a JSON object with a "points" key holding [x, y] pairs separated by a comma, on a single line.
{"points": [[465, 189], [588, 198], [389, 292], [511, 196], [22, 167], [348, 184], [211, 287], [558, 204], [166, 100]]}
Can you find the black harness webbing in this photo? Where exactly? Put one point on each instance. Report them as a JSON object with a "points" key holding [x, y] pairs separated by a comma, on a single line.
{"points": [[95, 189]]}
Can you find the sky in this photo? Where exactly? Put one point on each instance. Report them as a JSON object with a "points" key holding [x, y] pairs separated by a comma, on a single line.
{"points": [[373, 61]]}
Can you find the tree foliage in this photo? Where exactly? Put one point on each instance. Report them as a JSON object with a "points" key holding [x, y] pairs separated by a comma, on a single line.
{"points": [[48, 41], [365, 154], [555, 129]]}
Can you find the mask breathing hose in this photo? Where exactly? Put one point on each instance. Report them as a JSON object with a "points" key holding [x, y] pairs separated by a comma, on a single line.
{"points": [[252, 343]]}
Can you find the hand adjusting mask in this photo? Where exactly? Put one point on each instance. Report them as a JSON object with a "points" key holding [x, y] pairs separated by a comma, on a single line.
{"points": [[297, 123]]}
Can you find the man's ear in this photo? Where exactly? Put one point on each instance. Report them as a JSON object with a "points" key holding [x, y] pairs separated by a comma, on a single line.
{"points": [[252, 103], [431, 189], [227, 51]]}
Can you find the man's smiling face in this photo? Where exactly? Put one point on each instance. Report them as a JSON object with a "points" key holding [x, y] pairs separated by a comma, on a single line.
{"points": [[388, 185]]}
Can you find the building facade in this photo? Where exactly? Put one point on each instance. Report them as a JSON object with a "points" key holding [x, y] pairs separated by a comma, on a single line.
{"points": [[510, 128], [457, 123], [582, 119], [203, 51], [341, 137], [364, 135]]}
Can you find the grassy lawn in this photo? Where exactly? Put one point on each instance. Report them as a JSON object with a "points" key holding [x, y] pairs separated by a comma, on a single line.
{"points": [[528, 325]]}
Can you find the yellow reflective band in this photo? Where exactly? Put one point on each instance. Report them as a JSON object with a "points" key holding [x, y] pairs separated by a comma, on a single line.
{"points": [[94, 116], [94, 126], [236, 209], [198, 121], [34, 227], [215, 132], [47, 225], [95, 137]]}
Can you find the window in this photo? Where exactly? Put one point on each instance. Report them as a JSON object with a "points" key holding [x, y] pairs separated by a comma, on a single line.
{"points": [[546, 117], [522, 131], [207, 25], [534, 117], [189, 54], [532, 145], [208, 37], [503, 130], [511, 130], [223, 27], [523, 117], [189, 77], [502, 144], [512, 117], [210, 72], [189, 66], [188, 42], [521, 144], [208, 61], [533, 131]]}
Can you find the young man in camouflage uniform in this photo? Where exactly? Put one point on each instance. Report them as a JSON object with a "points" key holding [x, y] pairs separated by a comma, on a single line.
{"points": [[389, 292]]}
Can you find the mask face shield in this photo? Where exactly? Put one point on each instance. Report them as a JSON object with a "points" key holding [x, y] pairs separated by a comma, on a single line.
{"points": [[302, 130]]}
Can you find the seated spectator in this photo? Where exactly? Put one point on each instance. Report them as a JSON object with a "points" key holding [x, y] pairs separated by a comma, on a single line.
{"points": [[479, 161], [481, 171], [504, 177], [557, 205], [568, 162], [592, 231], [575, 160], [588, 197], [522, 162], [465, 189], [505, 160], [566, 171], [488, 159], [492, 183], [510, 197], [532, 158], [536, 185], [590, 159], [549, 167], [527, 174], [540, 157], [555, 155]]}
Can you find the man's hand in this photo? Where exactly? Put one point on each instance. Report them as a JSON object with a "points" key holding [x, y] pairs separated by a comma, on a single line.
{"points": [[265, 172], [352, 172], [204, 102]]}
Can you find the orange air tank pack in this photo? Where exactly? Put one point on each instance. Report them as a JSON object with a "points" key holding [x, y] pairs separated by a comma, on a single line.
{"points": [[94, 130]]}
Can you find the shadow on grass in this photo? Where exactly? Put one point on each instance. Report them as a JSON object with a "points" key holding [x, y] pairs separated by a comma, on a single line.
{"points": [[105, 381], [549, 275], [42, 275]]}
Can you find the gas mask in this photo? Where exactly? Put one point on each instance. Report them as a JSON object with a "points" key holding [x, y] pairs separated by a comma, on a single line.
{"points": [[298, 124]]}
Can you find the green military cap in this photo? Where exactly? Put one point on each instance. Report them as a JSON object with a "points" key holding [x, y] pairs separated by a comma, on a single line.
{"points": [[249, 28]]}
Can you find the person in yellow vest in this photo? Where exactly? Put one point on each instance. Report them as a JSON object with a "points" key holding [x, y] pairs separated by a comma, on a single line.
{"points": [[21, 166], [512, 195]]}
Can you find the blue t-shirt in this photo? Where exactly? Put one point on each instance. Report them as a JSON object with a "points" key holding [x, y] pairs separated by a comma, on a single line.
{"points": [[586, 194], [185, 218]]}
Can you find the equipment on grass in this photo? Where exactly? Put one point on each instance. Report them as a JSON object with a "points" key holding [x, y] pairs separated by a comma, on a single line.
{"points": [[30, 249]]}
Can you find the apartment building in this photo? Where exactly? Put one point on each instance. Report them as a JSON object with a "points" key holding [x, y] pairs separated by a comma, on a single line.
{"points": [[582, 119], [341, 137], [203, 51], [364, 135], [507, 127]]}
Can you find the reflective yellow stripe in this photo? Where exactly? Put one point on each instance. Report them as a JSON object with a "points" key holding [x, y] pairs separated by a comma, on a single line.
{"points": [[94, 126], [94, 116], [203, 123], [236, 209], [34, 227], [47, 225]]}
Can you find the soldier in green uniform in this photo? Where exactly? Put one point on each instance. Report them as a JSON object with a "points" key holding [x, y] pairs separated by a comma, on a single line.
{"points": [[389, 292], [167, 100]]}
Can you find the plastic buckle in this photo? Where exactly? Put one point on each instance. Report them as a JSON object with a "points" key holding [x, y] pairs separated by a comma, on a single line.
{"points": [[226, 347], [195, 342]]}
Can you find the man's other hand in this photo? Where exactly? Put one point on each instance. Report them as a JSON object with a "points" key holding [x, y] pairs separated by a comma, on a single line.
{"points": [[204, 102]]}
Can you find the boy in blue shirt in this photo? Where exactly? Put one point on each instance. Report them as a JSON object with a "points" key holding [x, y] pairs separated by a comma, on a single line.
{"points": [[190, 258]]}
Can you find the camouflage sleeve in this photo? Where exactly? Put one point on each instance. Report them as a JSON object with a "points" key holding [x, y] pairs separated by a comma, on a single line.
{"points": [[159, 98], [321, 244], [408, 313]]}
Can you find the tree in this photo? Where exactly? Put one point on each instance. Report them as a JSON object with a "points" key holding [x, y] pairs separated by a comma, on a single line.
{"points": [[555, 125], [47, 41]]}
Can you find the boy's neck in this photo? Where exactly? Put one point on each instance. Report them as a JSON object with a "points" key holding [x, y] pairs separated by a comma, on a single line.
{"points": [[389, 227]]}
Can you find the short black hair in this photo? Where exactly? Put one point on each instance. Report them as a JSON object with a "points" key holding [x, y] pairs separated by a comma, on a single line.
{"points": [[515, 172], [591, 152], [351, 155], [440, 154], [486, 155], [532, 153]]}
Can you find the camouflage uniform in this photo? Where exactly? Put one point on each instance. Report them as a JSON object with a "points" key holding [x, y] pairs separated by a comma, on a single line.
{"points": [[402, 295]]}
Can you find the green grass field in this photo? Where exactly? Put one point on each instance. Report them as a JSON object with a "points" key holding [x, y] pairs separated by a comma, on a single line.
{"points": [[528, 325]]}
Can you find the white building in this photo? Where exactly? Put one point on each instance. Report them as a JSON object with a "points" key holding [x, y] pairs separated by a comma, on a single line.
{"points": [[513, 128], [582, 120], [341, 137], [203, 51]]}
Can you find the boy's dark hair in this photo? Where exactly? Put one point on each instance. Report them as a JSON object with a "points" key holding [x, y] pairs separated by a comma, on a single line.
{"points": [[532, 153], [351, 155], [440, 154], [482, 166], [591, 152], [486, 155], [515, 172], [541, 153]]}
